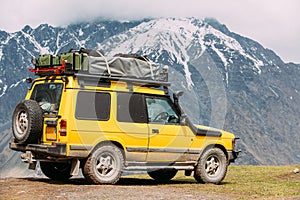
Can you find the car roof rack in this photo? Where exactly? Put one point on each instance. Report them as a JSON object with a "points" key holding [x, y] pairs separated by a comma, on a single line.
{"points": [[90, 79], [93, 68], [85, 77]]}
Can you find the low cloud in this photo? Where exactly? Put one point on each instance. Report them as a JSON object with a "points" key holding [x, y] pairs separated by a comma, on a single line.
{"points": [[272, 23]]}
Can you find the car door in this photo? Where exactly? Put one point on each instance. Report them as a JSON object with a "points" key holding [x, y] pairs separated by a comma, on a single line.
{"points": [[132, 123], [168, 140]]}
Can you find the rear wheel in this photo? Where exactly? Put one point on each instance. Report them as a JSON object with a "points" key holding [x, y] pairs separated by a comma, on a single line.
{"points": [[56, 171], [162, 175], [27, 122], [211, 167], [104, 165]]}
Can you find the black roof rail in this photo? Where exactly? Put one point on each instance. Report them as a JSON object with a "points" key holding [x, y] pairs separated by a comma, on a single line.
{"points": [[97, 78]]}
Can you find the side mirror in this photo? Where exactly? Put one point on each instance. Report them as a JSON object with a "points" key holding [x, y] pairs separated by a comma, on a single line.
{"points": [[183, 119], [177, 94]]}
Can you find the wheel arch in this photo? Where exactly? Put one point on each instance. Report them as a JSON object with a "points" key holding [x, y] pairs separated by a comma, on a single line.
{"points": [[109, 142], [210, 146]]}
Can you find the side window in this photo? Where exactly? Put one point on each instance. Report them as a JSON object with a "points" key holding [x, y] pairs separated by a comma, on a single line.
{"points": [[93, 106], [131, 108], [160, 110]]}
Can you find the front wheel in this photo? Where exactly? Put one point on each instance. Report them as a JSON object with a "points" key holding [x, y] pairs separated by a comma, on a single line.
{"points": [[211, 167], [104, 165], [56, 171]]}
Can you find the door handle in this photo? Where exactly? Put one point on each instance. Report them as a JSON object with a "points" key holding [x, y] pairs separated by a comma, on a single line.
{"points": [[155, 131]]}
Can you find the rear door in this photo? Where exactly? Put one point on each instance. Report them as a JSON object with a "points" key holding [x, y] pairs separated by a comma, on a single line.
{"points": [[48, 95], [132, 123]]}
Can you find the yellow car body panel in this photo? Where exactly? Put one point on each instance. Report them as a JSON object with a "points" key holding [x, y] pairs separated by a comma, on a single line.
{"points": [[152, 142]]}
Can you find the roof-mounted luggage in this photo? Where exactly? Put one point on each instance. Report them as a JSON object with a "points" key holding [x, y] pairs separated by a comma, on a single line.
{"points": [[93, 63]]}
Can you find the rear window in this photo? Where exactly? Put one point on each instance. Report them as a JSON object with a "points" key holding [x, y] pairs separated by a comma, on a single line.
{"points": [[48, 96], [93, 106]]}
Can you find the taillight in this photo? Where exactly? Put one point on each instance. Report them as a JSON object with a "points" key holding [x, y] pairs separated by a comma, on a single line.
{"points": [[63, 127]]}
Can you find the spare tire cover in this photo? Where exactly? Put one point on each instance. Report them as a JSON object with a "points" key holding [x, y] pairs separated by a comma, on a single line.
{"points": [[27, 122]]}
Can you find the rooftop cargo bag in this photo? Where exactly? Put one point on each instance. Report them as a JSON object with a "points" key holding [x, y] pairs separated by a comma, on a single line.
{"points": [[77, 60], [122, 67], [48, 60]]}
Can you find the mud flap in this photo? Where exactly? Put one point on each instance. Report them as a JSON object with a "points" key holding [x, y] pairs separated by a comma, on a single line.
{"points": [[75, 167]]}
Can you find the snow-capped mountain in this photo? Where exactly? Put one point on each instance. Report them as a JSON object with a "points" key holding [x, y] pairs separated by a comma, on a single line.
{"points": [[230, 82], [17, 50], [233, 82]]}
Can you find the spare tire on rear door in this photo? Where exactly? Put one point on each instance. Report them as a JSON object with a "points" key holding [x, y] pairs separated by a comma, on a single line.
{"points": [[27, 122]]}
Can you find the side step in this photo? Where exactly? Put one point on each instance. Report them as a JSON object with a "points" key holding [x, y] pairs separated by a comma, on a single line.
{"points": [[145, 168], [132, 166]]}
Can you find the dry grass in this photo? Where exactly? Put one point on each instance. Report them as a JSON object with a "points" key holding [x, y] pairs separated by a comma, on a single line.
{"points": [[248, 182], [241, 182]]}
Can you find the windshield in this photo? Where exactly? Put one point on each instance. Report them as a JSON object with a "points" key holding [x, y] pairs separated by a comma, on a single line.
{"points": [[48, 96]]}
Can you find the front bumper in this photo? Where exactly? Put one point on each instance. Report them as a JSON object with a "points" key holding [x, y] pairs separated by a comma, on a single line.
{"points": [[58, 149]]}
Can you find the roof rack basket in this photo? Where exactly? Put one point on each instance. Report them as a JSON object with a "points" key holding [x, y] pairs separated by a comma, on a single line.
{"points": [[93, 65], [98, 78]]}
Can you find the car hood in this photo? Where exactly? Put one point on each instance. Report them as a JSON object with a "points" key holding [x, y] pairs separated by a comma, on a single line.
{"points": [[208, 131]]}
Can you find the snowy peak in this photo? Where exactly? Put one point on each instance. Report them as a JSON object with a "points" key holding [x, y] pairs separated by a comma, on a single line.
{"points": [[230, 82], [182, 31], [185, 44], [178, 37]]}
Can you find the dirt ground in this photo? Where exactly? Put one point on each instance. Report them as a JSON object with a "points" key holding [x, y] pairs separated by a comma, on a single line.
{"points": [[127, 188], [241, 182]]}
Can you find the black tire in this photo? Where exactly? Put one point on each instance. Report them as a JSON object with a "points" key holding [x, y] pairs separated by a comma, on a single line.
{"points": [[56, 171], [27, 122], [162, 175], [211, 167], [104, 165]]}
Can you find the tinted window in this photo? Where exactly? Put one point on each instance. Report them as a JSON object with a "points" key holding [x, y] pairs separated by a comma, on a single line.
{"points": [[93, 105], [131, 108]]}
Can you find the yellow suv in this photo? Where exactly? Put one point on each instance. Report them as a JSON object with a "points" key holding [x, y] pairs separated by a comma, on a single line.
{"points": [[106, 125]]}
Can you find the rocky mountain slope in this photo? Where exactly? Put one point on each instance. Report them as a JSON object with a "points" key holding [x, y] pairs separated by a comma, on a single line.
{"points": [[235, 83], [230, 82]]}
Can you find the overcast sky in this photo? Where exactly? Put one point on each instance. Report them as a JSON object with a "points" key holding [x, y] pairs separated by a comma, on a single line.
{"points": [[273, 23]]}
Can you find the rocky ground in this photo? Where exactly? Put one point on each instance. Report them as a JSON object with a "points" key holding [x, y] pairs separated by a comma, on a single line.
{"points": [[127, 188], [241, 182]]}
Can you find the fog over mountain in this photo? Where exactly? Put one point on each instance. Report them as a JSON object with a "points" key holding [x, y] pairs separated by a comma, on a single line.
{"points": [[230, 82]]}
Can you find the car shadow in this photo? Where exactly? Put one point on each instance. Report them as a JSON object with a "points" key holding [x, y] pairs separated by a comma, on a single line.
{"points": [[124, 181]]}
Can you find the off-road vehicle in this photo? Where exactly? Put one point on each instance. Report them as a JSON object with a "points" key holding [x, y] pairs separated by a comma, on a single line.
{"points": [[107, 116]]}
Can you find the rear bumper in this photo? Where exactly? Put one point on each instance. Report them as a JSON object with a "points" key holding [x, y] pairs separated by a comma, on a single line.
{"points": [[58, 149], [232, 155]]}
